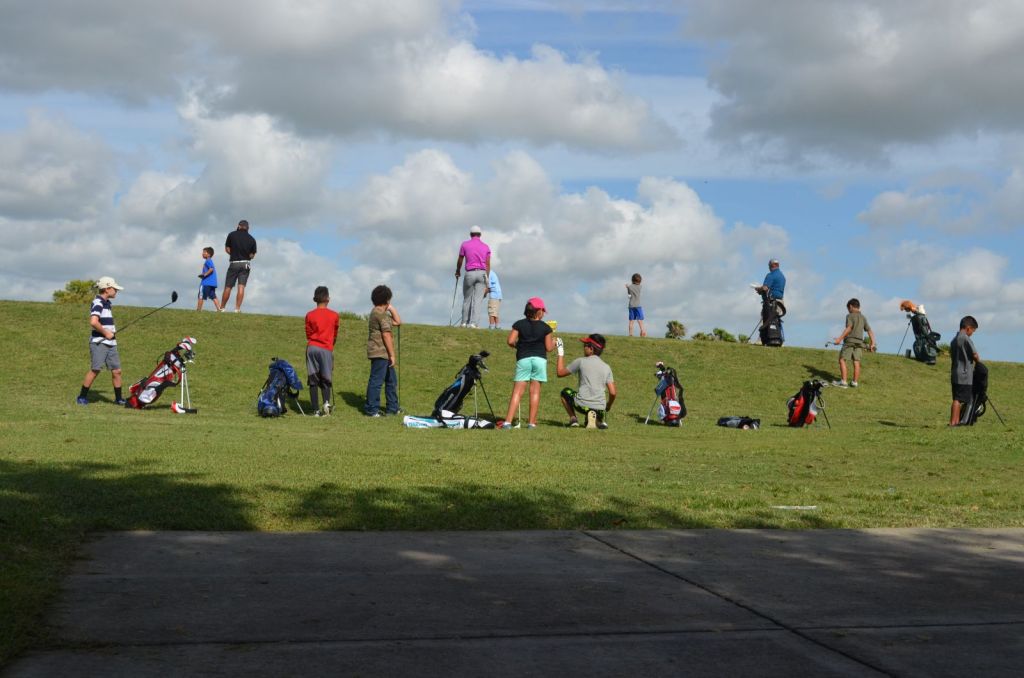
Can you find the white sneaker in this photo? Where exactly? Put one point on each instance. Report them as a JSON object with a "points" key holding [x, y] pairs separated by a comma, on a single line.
{"points": [[853, 384], [472, 326], [839, 383]]}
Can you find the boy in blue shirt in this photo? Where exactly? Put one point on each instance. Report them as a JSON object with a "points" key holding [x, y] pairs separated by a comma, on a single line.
{"points": [[208, 288], [493, 301]]}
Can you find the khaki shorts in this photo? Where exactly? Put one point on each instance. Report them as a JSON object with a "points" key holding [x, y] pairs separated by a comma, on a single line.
{"points": [[849, 351], [492, 306]]}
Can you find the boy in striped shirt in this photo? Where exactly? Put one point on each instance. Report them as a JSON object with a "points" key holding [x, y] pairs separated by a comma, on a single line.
{"points": [[102, 343]]}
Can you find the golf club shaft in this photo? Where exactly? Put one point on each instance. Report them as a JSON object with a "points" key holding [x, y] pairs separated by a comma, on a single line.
{"points": [[174, 298], [144, 317]]}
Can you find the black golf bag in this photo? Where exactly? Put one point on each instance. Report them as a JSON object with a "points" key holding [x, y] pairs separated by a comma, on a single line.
{"points": [[447, 406], [926, 342], [772, 311], [671, 406], [970, 412], [805, 404], [282, 383], [167, 372]]}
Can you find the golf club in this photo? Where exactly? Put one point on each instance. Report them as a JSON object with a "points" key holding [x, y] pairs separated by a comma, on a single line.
{"points": [[451, 314], [174, 298]]}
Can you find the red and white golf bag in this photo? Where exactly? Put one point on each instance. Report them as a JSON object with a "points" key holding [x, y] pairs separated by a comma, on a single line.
{"points": [[168, 372]]}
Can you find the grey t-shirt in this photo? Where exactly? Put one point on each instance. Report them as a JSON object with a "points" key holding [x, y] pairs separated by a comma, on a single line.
{"points": [[633, 290], [961, 353], [594, 375], [860, 325]]}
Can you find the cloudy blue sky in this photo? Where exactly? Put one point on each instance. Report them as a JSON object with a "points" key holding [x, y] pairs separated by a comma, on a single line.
{"points": [[876, 148]]}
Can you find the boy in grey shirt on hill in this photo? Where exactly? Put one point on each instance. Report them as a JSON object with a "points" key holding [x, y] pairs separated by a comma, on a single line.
{"points": [[595, 375], [852, 339], [963, 358], [636, 311]]}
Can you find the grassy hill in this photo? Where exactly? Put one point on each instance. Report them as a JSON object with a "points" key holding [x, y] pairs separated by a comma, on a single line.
{"points": [[65, 470]]}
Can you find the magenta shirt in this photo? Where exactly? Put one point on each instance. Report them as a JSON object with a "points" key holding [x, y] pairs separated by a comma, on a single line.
{"points": [[476, 253]]}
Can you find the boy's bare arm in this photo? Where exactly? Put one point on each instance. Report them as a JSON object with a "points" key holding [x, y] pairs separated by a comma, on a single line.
{"points": [[874, 344], [611, 395], [389, 345], [560, 367], [842, 336], [94, 322], [395, 318]]}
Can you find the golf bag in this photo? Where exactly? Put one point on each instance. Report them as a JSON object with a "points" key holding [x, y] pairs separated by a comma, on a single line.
{"points": [[167, 372], [282, 383], [970, 412], [805, 403], [447, 406], [926, 342], [745, 423], [671, 406], [772, 311]]}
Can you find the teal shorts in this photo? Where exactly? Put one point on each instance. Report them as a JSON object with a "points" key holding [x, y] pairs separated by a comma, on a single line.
{"points": [[532, 369]]}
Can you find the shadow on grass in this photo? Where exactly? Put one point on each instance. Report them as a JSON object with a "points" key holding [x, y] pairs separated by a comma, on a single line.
{"points": [[46, 510], [818, 373], [355, 401], [478, 507]]}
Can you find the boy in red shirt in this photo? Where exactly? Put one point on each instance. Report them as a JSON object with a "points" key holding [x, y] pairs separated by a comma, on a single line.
{"points": [[321, 333]]}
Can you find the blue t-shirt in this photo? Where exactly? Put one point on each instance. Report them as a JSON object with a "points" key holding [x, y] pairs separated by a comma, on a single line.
{"points": [[495, 286], [209, 280], [776, 283]]}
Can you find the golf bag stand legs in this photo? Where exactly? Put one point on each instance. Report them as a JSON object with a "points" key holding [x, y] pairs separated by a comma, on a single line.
{"points": [[653, 405], [988, 401], [476, 407], [821, 408], [900, 349]]}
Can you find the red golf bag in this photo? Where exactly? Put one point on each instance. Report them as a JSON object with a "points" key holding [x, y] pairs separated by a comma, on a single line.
{"points": [[167, 372]]}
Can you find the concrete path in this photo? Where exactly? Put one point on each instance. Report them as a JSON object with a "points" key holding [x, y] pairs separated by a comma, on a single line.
{"points": [[621, 603]]}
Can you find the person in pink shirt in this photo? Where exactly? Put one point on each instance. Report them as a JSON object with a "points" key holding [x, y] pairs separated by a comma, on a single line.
{"points": [[477, 257]]}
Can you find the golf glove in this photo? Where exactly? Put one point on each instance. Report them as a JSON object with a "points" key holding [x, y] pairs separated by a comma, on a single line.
{"points": [[559, 347]]}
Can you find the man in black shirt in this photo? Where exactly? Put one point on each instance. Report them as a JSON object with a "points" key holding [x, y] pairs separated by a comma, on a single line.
{"points": [[241, 248]]}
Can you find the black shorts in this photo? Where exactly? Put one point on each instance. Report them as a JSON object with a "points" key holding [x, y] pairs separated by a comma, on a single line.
{"points": [[237, 271], [963, 392]]}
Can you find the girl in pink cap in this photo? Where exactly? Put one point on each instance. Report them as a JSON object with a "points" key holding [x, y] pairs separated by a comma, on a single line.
{"points": [[532, 340]]}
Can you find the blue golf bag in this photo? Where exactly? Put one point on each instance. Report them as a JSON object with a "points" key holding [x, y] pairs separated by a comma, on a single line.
{"points": [[282, 383]]}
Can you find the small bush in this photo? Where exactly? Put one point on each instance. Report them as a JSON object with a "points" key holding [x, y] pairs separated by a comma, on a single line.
{"points": [[675, 330], [722, 335], [75, 292]]}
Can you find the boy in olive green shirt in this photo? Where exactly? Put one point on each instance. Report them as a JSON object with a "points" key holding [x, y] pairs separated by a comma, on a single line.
{"points": [[852, 339], [380, 350]]}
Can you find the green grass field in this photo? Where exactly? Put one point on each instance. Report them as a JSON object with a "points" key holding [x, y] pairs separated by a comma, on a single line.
{"points": [[889, 459]]}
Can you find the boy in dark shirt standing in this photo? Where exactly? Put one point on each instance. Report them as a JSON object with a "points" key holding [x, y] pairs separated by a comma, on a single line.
{"points": [[103, 343], [380, 350], [241, 249], [963, 358], [321, 333]]}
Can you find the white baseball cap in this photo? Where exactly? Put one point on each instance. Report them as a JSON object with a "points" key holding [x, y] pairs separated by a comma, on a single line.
{"points": [[106, 281], [474, 230]]}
